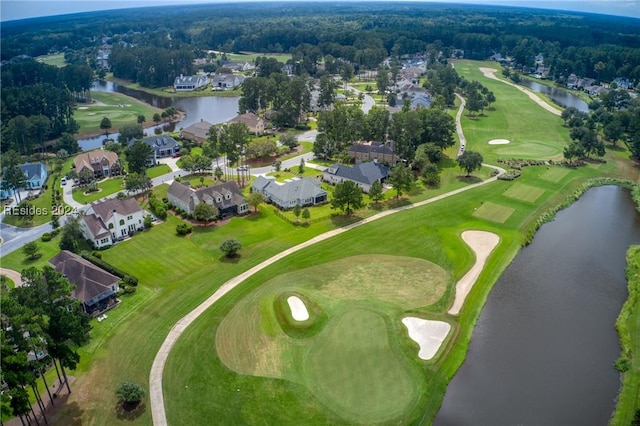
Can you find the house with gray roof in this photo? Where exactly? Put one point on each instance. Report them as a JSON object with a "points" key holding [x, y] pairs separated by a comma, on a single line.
{"points": [[224, 81], [225, 197], [292, 192], [112, 220], [93, 286], [197, 132], [162, 146], [363, 174], [35, 174], [373, 151], [188, 83]]}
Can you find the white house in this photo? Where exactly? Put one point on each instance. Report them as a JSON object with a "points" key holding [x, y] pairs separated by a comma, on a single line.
{"points": [[190, 82], [112, 220]]}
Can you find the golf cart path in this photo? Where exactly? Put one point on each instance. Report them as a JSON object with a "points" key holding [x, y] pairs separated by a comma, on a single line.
{"points": [[155, 376], [490, 73], [14, 276]]}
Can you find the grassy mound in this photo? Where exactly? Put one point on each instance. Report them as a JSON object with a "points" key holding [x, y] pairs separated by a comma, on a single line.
{"points": [[299, 329]]}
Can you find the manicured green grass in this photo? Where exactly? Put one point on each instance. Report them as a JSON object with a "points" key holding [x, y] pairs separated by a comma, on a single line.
{"points": [[182, 272], [57, 60], [554, 174], [524, 192], [159, 170], [628, 325], [120, 109], [494, 212], [42, 207], [107, 187], [251, 57]]}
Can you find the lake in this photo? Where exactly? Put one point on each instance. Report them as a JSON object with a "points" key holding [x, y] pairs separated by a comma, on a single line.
{"points": [[543, 349]]}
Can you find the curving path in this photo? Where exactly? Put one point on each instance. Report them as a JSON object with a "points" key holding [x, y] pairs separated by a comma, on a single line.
{"points": [[155, 376], [491, 73], [14, 276]]}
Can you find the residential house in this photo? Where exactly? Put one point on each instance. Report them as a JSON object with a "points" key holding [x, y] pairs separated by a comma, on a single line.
{"points": [[112, 220], [623, 83], [197, 132], [238, 66], [36, 175], [162, 146], [255, 123], [99, 162], [292, 192], [190, 82], [572, 81], [363, 174], [226, 197], [227, 81], [372, 150], [94, 287]]}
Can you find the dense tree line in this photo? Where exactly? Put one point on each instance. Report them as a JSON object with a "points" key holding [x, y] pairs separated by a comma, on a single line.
{"points": [[359, 33], [38, 102], [151, 66]]}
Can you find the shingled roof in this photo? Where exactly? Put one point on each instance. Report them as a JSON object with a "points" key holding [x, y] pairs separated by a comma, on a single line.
{"points": [[89, 280], [366, 173]]}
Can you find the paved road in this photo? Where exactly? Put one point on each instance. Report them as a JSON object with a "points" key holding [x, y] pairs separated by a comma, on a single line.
{"points": [[367, 101]]}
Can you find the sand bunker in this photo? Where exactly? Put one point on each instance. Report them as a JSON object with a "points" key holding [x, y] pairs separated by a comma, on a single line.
{"points": [[298, 309], [428, 334], [83, 107], [498, 141], [482, 243]]}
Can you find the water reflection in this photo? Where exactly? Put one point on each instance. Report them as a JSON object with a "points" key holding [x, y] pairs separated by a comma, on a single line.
{"points": [[543, 349]]}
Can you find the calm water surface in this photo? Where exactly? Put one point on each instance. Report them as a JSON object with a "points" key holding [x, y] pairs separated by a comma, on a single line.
{"points": [[560, 97], [543, 348], [214, 109]]}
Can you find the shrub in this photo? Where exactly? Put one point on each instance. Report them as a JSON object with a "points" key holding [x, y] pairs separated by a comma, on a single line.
{"points": [[97, 254], [130, 280], [183, 229], [103, 264], [46, 237], [148, 222], [230, 247], [128, 392], [622, 364]]}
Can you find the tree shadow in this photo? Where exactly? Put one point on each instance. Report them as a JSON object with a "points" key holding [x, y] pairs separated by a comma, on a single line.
{"points": [[398, 202], [344, 220], [469, 179], [128, 411], [233, 259]]}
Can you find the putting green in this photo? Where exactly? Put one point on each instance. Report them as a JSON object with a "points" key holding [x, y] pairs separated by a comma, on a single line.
{"points": [[352, 360], [354, 370]]}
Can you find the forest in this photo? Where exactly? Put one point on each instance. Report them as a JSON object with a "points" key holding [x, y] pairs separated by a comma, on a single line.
{"points": [[360, 33]]}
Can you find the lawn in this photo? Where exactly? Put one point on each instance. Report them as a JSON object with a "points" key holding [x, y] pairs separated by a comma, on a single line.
{"points": [[106, 187], [180, 272], [159, 170], [56, 59], [120, 109]]}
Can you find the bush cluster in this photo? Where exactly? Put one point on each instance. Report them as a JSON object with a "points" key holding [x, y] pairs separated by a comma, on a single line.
{"points": [[510, 175], [184, 229], [158, 207], [46, 237]]}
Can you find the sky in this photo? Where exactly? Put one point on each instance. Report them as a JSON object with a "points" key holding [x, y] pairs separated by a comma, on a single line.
{"points": [[21, 9]]}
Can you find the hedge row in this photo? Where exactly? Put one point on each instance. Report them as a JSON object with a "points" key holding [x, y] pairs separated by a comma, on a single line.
{"points": [[130, 279]]}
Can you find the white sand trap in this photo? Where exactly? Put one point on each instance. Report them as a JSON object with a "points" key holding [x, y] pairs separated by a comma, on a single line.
{"points": [[499, 141], [428, 334], [298, 309], [482, 243], [83, 107]]}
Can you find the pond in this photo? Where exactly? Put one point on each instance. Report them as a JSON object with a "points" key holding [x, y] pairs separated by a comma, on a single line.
{"points": [[214, 109], [560, 97], [543, 349]]}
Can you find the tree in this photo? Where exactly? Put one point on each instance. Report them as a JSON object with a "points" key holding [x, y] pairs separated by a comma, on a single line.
{"points": [[347, 196], [289, 140], [230, 247], [306, 214], [297, 209], [301, 166], [130, 393], [375, 191], [128, 132], [105, 125], [431, 175], [157, 118], [401, 179], [218, 173], [135, 182], [31, 250], [68, 143], [470, 161], [205, 212], [137, 155], [14, 177], [141, 119], [255, 199], [71, 233]]}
